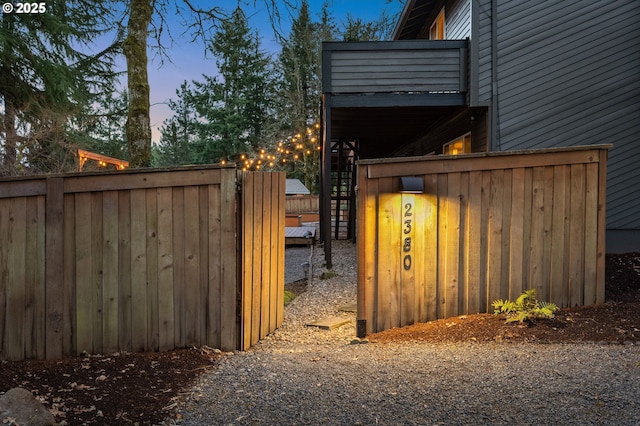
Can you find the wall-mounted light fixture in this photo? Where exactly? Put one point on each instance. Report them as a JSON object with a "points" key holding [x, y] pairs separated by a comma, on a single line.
{"points": [[411, 185]]}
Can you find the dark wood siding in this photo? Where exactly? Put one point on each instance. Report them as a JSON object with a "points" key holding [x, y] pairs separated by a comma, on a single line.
{"points": [[393, 67]]}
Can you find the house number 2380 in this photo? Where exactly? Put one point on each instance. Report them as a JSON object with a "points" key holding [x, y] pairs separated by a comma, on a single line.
{"points": [[406, 245]]}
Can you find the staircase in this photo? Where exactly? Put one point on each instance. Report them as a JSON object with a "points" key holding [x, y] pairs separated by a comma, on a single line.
{"points": [[344, 155]]}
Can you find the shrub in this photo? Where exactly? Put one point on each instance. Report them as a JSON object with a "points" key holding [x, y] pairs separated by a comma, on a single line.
{"points": [[526, 308]]}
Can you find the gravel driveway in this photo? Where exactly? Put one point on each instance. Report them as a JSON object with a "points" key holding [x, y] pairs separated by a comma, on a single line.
{"points": [[306, 376]]}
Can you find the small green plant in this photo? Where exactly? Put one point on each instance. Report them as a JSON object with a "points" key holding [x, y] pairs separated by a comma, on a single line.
{"points": [[526, 308], [288, 297]]}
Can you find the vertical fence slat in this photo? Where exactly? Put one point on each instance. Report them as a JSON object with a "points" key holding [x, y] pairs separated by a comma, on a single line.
{"points": [[576, 225], [473, 268], [97, 271], [229, 329], [558, 255], [216, 282], [191, 266], [152, 268], [203, 254], [179, 275], [110, 295], [125, 308], [4, 271], [256, 313], [54, 269], [281, 246], [273, 250], [537, 233], [247, 259], [84, 301], [16, 294], [591, 237], [165, 270], [266, 246], [516, 233], [139, 316], [69, 342]]}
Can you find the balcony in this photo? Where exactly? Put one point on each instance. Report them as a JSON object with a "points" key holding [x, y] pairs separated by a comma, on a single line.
{"points": [[405, 73]]}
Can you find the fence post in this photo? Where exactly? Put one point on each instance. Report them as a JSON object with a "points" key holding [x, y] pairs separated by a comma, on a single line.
{"points": [[54, 267]]}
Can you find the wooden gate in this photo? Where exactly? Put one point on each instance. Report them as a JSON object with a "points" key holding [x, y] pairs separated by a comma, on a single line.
{"points": [[140, 260], [485, 226]]}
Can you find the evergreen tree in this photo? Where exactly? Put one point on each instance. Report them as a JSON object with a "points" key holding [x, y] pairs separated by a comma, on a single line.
{"points": [[178, 132], [301, 62], [234, 107], [46, 77]]}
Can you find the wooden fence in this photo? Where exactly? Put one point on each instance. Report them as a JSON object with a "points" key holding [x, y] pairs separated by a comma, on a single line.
{"points": [[302, 204], [138, 261], [487, 226]]}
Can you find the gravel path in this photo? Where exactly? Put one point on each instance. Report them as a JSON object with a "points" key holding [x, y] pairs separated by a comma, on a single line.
{"points": [[305, 376]]}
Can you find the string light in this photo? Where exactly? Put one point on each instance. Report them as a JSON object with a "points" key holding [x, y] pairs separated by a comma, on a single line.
{"points": [[300, 147]]}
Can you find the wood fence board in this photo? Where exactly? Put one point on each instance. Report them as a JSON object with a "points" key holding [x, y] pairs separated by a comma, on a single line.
{"points": [[537, 230], [96, 272], [602, 202], [272, 226], [151, 211], [473, 162], [16, 294], [214, 293], [431, 248], [441, 248], [125, 308], [28, 188], [247, 259], [54, 269], [526, 228], [229, 250], [367, 250], [179, 272], [407, 273], [507, 191], [591, 233], [191, 238], [387, 258], [281, 246], [4, 270], [84, 300], [256, 303], [548, 177], [110, 255], [265, 291], [139, 179], [69, 336], [516, 231], [485, 201], [166, 309], [139, 315], [473, 266], [204, 282], [463, 285], [576, 220], [558, 254], [452, 252], [421, 214]]}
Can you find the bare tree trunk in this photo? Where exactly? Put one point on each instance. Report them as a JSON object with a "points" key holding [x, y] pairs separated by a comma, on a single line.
{"points": [[138, 127]]}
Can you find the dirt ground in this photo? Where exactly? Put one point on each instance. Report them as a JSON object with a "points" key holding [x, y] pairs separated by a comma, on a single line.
{"points": [[143, 388]]}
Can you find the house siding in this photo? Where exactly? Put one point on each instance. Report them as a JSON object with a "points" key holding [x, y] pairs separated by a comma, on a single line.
{"points": [[458, 20], [568, 74]]}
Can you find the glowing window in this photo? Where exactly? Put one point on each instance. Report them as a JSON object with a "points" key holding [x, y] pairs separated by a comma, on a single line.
{"points": [[461, 145], [436, 31]]}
